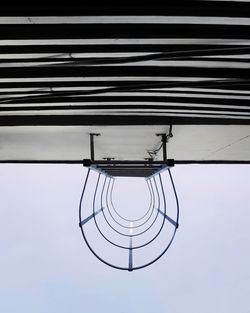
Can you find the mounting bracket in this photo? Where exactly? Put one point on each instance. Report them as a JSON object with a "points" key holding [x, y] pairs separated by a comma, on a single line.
{"points": [[92, 146], [132, 168]]}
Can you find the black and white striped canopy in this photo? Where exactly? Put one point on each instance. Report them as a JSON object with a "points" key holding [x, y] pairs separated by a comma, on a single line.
{"points": [[185, 63]]}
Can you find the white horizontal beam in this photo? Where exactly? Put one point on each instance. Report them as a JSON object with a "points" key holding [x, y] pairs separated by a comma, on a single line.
{"points": [[214, 20]]}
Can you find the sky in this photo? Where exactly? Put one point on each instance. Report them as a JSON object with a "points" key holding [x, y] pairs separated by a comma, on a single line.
{"points": [[46, 267]]}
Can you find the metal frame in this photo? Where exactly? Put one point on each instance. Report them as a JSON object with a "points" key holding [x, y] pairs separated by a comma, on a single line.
{"points": [[151, 208], [128, 168], [131, 220], [132, 228], [129, 247]]}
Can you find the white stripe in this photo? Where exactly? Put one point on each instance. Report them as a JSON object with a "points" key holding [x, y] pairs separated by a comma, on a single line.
{"points": [[210, 90], [71, 56], [179, 91], [37, 64], [10, 97], [134, 94], [129, 113], [227, 56], [49, 89], [121, 41], [176, 63], [143, 103], [184, 95], [165, 89], [105, 79], [213, 20], [151, 94]]}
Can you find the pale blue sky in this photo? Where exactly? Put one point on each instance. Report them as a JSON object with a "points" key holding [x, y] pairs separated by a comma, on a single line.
{"points": [[46, 267]]}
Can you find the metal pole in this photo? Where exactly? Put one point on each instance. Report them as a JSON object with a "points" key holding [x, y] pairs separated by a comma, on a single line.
{"points": [[164, 146], [92, 146]]}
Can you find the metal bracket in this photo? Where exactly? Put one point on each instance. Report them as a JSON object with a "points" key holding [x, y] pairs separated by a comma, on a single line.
{"points": [[164, 145], [164, 139], [92, 146], [108, 159], [133, 168]]}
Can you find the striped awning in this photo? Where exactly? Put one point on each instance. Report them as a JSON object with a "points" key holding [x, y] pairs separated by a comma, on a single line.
{"points": [[124, 65]]}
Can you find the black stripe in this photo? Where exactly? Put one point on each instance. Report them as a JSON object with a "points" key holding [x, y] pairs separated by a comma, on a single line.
{"points": [[77, 161], [129, 7], [57, 120], [224, 84], [97, 31], [32, 48], [134, 71]]}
